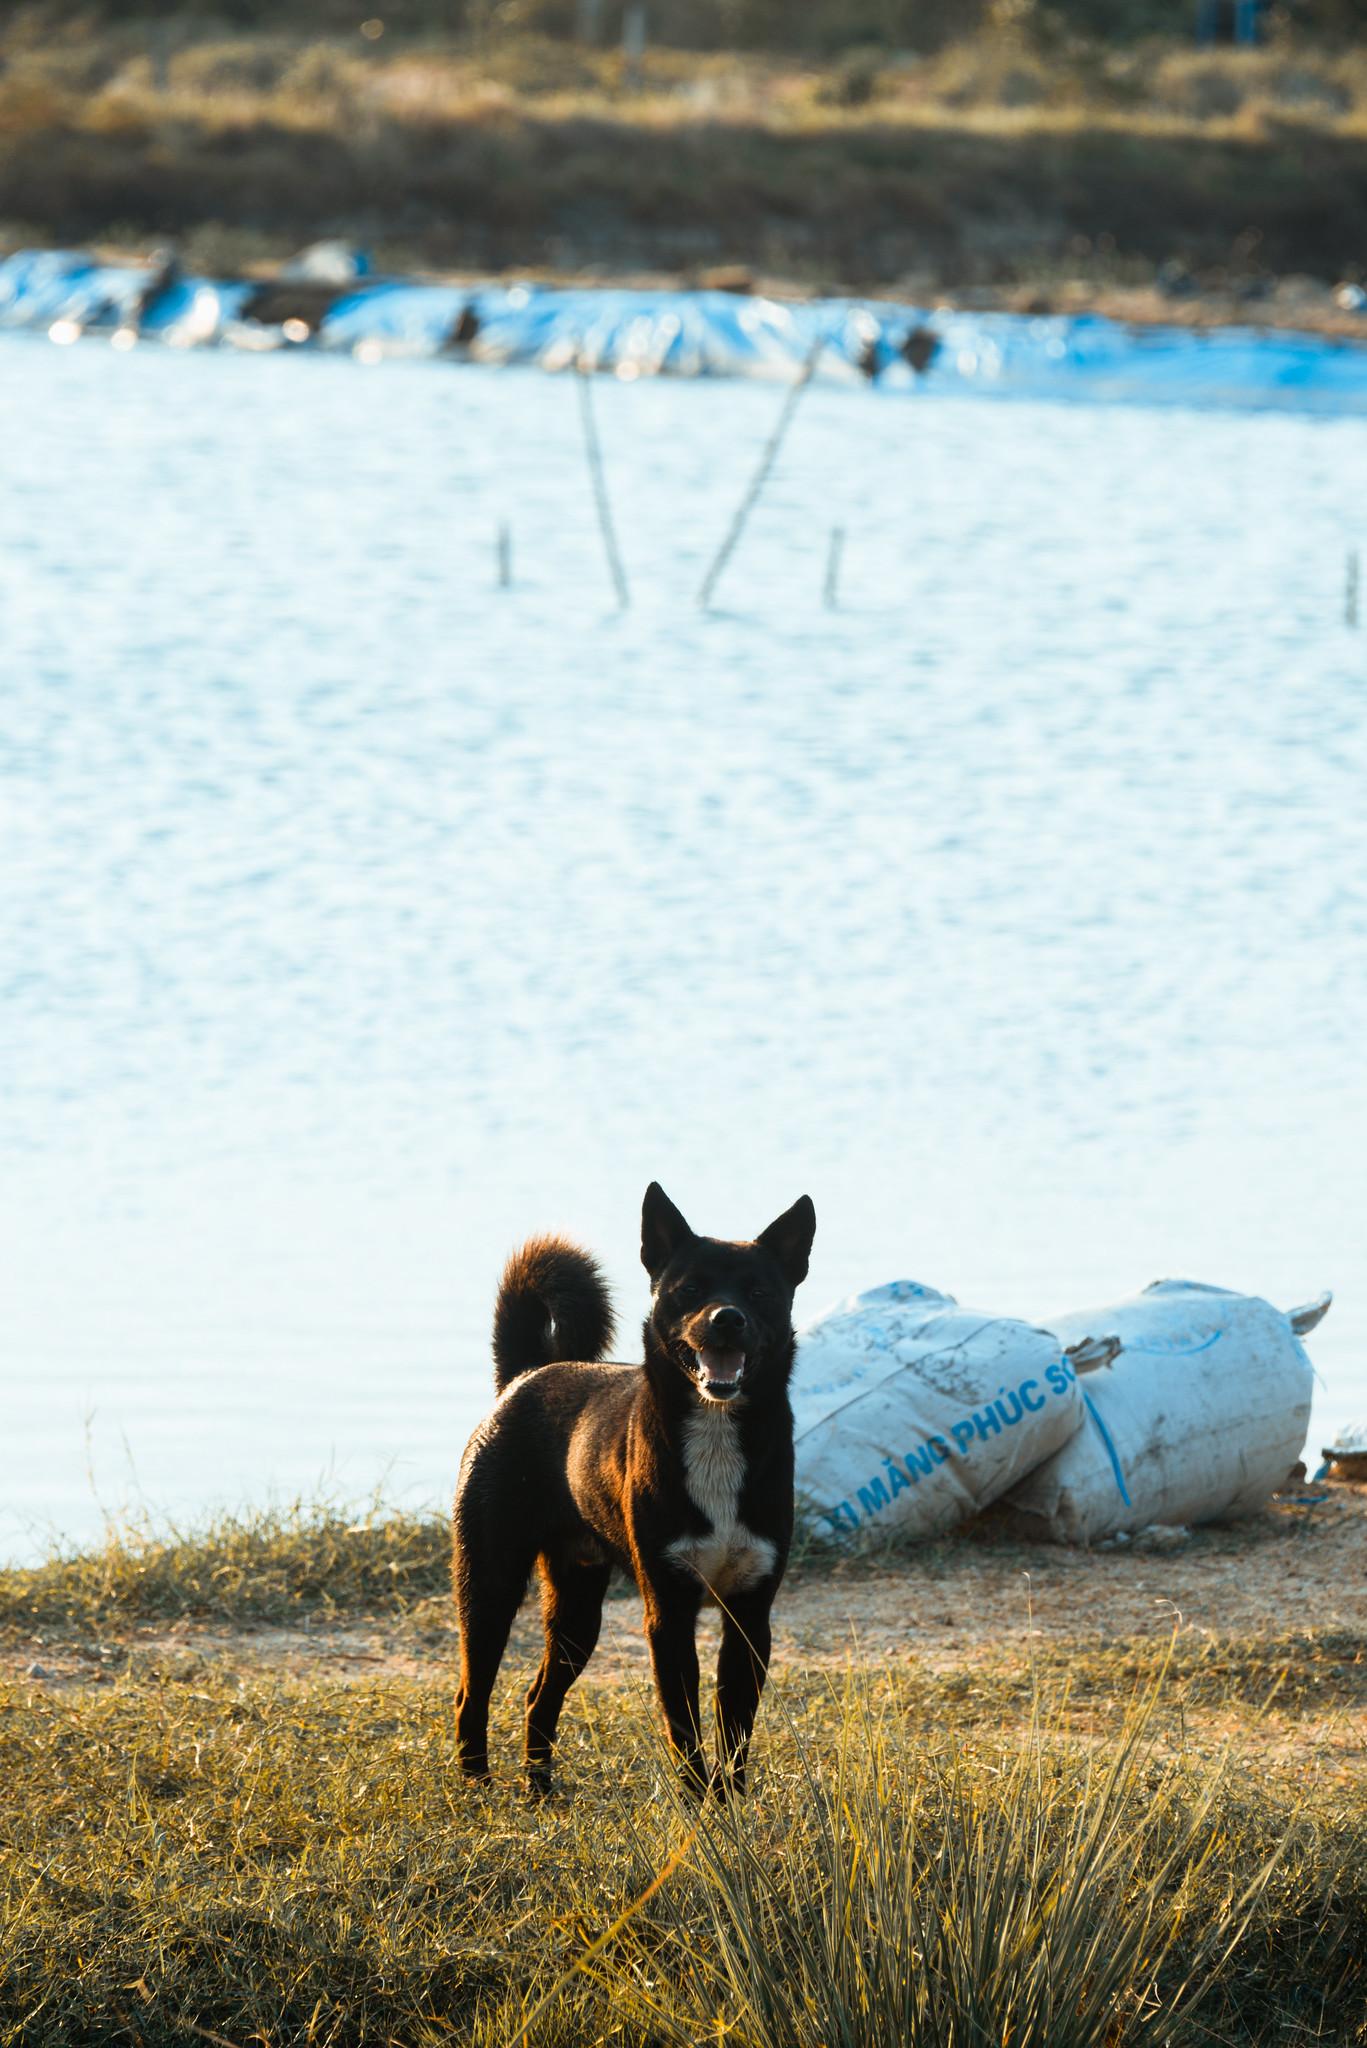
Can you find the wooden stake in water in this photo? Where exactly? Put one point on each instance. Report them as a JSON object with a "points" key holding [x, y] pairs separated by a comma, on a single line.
{"points": [[634, 45], [757, 481], [833, 567], [505, 556], [159, 55], [1351, 586], [600, 484]]}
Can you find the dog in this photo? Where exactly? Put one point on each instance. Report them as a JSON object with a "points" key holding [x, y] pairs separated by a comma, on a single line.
{"points": [[678, 1470]]}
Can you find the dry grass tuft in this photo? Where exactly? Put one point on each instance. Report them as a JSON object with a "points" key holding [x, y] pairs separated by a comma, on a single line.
{"points": [[317, 1557]]}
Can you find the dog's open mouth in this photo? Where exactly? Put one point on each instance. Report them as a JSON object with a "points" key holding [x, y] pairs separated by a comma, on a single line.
{"points": [[720, 1372]]}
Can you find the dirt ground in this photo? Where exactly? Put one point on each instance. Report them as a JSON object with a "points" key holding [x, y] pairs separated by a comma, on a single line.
{"points": [[974, 1600]]}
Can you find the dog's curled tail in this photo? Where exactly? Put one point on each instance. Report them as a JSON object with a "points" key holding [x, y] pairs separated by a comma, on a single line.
{"points": [[552, 1303]]}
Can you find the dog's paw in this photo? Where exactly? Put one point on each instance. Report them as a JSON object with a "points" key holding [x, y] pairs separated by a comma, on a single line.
{"points": [[725, 1783], [691, 1778]]}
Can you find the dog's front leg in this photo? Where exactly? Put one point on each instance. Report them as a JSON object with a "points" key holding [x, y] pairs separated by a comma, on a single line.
{"points": [[671, 1623], [742, 1665]]}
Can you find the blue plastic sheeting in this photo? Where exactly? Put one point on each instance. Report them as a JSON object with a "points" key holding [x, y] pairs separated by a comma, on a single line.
{"points": [[42, 288], [717, 334], [191, 309]]}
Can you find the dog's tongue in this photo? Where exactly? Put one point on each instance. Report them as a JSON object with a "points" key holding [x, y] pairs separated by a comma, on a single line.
{"points": [[721, 1367]]}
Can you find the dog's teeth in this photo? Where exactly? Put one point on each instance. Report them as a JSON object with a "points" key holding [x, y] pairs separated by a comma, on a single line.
{"points": [[723, 1367]]}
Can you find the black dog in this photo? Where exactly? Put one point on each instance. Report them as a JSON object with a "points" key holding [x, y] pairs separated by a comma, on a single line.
{"points": [[680, 1471]]}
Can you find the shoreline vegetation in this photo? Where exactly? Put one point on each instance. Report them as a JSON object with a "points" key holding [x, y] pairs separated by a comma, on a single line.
{"points": [[1003, 1792], [1016, 168]]}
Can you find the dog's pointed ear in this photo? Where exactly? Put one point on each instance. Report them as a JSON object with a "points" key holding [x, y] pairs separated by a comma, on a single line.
{"points": [[663, 1231], [789, 1238]]}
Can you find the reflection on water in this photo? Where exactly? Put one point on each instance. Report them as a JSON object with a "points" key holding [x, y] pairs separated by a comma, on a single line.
{"points": [[359, 917]]}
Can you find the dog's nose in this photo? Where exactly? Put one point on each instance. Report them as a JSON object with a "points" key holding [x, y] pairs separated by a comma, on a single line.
{"points": [[726, 1322]]}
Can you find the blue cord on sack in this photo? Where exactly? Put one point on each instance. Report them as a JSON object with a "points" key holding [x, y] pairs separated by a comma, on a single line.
{"points": [[1105, 1435]]}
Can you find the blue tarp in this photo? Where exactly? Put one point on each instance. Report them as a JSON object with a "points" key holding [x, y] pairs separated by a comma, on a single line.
{"points": [[715, 334]]}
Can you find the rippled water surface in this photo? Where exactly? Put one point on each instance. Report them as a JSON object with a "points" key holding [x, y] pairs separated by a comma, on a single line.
{"points": [[358, 917]]}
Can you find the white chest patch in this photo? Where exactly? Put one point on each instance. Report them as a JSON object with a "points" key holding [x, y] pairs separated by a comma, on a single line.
{"points": [[729, 1557]]}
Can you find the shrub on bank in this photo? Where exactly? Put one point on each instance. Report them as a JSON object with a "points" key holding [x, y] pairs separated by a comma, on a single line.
{"points": [[993, 163], [818, 27]]}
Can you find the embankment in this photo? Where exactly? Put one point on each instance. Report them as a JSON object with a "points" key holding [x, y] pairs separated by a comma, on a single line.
{"points": [[974, 170]]}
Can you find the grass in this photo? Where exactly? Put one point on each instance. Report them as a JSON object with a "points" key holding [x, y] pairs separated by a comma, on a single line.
{"points": [[992, 160], [315, 1558], [1055, 1850], [283, 1864], [318, 1558], [955, 1897]]}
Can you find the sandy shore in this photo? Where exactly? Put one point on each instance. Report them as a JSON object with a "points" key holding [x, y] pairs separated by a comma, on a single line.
{"points": [[974, 1601]]}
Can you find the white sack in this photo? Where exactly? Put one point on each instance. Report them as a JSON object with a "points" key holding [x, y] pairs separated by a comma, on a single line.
{"points": [[1201, 1414], [912, 1413]]}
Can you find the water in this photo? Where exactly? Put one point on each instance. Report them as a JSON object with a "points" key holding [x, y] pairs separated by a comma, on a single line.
{"points": [[359, 918]]}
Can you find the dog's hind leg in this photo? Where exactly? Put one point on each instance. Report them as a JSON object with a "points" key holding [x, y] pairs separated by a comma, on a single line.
{"points": [[742, 1666], [572, 1609], [487, 1601]]}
